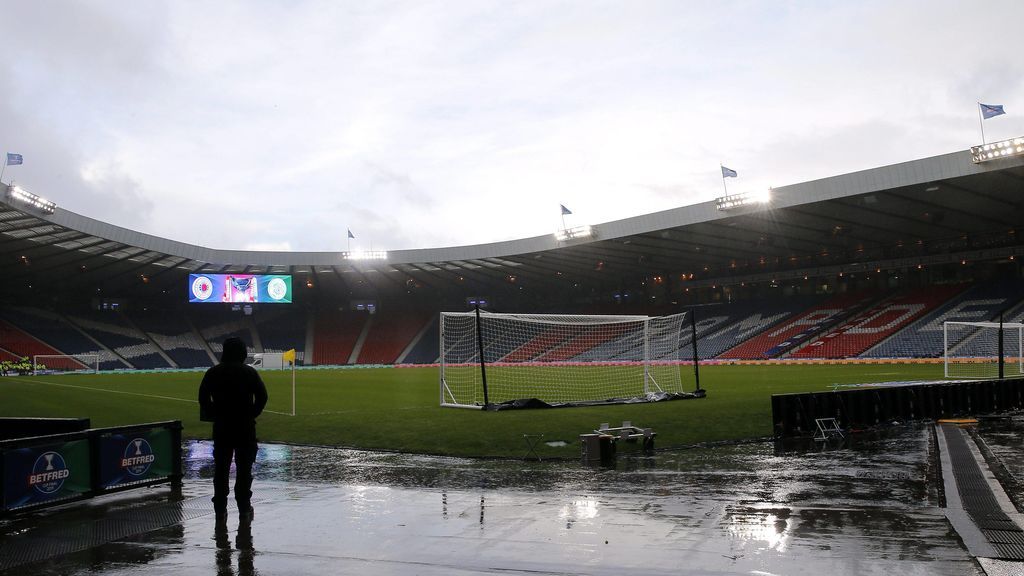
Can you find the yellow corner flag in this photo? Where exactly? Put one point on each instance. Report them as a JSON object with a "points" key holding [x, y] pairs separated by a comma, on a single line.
{"points": [[289, 356]]}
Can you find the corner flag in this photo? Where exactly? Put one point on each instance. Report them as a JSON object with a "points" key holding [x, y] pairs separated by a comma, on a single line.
{"points": [[564, 209], [289, 356], [728, 172], [13, 159], [987, 111]]}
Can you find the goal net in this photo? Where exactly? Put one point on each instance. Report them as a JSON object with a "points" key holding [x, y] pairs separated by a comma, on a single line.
{"points": [[558, 359], [972, 349], [63, 363]]}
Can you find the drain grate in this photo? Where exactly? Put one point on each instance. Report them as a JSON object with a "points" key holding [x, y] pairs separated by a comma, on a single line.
{"points": [[979, 501]]}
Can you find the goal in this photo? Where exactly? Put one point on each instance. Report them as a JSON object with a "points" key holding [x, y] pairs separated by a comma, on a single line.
{"points": [[558, 359], [979, 349], [63, 363]]}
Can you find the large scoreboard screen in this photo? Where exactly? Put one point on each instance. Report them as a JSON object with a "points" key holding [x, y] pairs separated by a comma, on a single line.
{"points": [[255, 288]]}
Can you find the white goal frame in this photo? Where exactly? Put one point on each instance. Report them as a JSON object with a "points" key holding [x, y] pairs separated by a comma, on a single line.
{"points": [[90, 363], [561, 359], [1012, 357]]}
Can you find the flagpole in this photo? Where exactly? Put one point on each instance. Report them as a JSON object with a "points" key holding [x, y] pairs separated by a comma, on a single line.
{"points": [[981, 122], [563, 217], [720, 169], [293, 387], [2, 170]]}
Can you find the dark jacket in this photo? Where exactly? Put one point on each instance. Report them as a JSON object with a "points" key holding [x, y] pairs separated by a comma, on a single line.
{"points": [[233, 392]]}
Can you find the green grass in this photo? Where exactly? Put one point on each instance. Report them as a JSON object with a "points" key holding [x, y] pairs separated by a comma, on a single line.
{"points": [[397, 408]]}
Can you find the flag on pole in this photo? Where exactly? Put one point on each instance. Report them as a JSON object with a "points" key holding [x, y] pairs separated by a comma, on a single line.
{"points": [[13, 159], [289, 356], [350, 234], [987, 110], [564, 209], [728, 172]]}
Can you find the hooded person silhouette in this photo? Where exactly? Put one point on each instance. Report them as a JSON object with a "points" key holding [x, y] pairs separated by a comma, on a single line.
{"points": [[232, 395]]}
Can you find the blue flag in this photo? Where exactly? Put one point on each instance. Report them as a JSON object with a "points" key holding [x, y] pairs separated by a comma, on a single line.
{"points": [[728, 172], [13, 159], [990, 110], [350, 234], [565, 210]]}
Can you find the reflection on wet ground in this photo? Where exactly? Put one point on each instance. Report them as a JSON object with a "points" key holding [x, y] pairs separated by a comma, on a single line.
{"points": [[868, 506]]}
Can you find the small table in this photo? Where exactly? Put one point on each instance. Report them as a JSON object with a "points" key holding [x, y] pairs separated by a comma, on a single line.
{"points": [[532, 440]]}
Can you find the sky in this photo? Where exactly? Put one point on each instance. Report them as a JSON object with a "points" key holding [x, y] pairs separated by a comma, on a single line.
{"points": [[280, 125]]}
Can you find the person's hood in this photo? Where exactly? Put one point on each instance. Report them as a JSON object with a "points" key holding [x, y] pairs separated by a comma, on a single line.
{"points": [[234, 351]]}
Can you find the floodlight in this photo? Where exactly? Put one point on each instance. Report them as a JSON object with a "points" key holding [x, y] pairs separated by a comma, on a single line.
{"points": [[996, 150], [365, 255], [577, 233], [733, 201], [18, 195]]}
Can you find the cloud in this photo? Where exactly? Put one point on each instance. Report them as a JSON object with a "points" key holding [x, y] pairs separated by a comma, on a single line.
{"points": [[422, 124]]}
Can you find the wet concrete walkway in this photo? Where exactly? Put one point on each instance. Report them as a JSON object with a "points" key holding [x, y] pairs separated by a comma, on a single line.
{"points": [[869, 507], [977, 506]]}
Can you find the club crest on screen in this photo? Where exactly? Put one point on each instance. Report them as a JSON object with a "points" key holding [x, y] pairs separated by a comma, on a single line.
{"points": [[202, 288]]}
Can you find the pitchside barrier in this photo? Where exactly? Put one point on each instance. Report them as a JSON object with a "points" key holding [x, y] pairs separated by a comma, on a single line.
{"points": [[24, 427], [795, 414], [59, 468]]}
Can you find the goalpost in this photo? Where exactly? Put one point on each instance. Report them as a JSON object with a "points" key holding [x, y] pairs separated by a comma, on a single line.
{"points": [[489, 358], [983, 349], [65, 363]]}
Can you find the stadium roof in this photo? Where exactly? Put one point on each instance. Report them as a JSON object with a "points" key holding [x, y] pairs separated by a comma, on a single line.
{"points": [[929, 211]]}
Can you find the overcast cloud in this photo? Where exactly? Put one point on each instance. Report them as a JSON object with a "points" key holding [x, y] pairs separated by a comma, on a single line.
{"points": [[279, 125]]}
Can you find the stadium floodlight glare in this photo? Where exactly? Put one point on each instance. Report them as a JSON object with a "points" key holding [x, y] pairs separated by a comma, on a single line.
{"points": [[577, 233], [733, 201], [18, 195], [365, 255], [996, 150]]}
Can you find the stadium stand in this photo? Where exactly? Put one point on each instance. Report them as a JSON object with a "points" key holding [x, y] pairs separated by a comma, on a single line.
{"points": [[783, 336], [21, 343], [426, 349], [335, 334], [111, 330], [282, 329], [581, 343], [390, 331], [722, 327], [215, 326], [877, 323], [175, 337], [529, 349], [923, 338], [55, 335]]}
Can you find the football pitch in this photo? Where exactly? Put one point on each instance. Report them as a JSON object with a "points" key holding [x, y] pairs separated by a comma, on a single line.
{"points": [[397, 408]]}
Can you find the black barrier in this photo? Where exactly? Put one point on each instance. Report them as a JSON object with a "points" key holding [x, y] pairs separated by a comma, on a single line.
{"points": [[58, 468], [795, 414], [24, 427]]}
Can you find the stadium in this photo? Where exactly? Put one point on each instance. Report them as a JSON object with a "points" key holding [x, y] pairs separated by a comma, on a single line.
{"points": [[903, 273]]}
